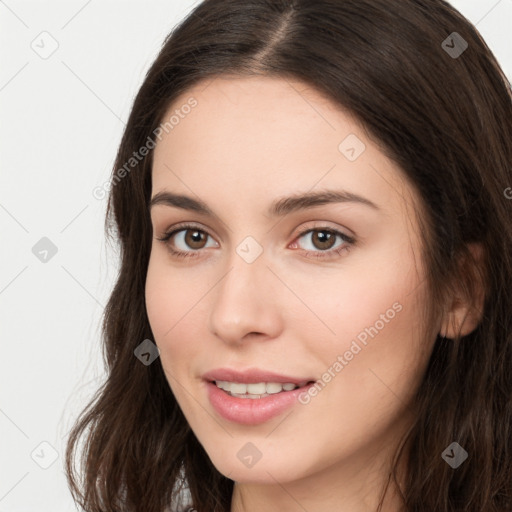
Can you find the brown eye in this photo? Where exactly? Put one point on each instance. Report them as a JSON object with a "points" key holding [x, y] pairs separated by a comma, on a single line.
{"points": [[187, 241], [321, 243], [195, 239], [323, 239]]}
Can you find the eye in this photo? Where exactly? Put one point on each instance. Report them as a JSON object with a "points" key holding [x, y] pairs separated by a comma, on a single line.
{"points": [[324, 240], [189, 236], [186, 236]]}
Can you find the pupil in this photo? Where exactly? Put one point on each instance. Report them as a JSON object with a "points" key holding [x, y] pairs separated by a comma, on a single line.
{"points": [[194, 237], [325, 238]]}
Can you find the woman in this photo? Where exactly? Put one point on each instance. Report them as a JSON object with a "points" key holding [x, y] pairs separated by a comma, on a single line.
{"points": [[313, 306]]}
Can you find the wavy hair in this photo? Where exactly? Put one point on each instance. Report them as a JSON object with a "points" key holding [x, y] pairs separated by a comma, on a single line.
{"points": [[445, 118]]}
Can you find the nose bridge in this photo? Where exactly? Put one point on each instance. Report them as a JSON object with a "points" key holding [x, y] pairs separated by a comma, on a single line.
{"points": [[243, 303]]}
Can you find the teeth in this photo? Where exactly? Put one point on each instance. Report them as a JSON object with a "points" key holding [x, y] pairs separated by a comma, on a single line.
{"points": [[256, 390], [249, 396]]}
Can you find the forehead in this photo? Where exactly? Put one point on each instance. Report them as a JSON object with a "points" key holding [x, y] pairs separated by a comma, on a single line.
{"points": [[267, 137]]}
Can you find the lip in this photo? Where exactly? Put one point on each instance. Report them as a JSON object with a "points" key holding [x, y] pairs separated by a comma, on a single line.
{"points": [[253, 376], [252, 411]]}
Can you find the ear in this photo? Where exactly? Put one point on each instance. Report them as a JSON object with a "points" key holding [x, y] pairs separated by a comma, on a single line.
{"points": [[464, 308]]}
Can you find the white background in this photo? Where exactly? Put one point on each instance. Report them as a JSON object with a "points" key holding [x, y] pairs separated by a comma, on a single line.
{"points": [[61, 122]]}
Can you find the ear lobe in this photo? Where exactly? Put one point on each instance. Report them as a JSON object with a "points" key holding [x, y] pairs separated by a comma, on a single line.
{"points": [[466, 306]]}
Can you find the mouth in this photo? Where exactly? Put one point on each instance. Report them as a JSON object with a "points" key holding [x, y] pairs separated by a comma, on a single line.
{"points": [[255, 402], [257, 390]]}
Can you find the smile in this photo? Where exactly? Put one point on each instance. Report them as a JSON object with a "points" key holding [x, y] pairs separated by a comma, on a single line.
{"points": [[266, 399], [255, 390]]}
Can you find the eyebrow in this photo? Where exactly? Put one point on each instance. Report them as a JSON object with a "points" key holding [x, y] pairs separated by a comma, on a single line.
{"points": [[279, 208]]}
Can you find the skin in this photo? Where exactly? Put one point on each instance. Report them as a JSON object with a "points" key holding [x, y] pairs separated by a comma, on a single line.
{"points": [[248, 142]]}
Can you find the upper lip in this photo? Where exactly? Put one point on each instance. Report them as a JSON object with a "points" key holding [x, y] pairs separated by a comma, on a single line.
{"points": [[253, 376]]}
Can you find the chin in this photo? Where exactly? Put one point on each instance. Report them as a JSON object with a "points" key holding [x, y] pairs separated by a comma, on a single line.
{"points": [[266, 470]]}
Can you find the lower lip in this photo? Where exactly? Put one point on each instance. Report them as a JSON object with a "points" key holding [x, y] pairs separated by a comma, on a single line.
{"points": [[251, 411]]}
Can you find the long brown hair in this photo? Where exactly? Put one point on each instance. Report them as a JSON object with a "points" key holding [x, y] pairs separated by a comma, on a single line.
{"points": [[439, 105]]}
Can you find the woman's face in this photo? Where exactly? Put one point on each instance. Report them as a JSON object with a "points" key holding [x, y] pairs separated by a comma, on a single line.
{"points": [[307, 290]]}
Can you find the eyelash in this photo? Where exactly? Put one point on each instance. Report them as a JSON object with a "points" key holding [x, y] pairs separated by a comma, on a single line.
{"points": [[328, 254]]}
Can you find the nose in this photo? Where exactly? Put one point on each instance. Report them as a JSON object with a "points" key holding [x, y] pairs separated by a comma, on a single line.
{"points": [[245, 303]]}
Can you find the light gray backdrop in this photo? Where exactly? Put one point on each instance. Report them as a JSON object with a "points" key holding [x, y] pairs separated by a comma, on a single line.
{"points": [[68, 75]]}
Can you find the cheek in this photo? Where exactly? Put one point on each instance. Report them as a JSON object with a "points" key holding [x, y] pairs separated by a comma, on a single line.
{"points": [[164, 311], [169, 295], [374, 314], [173, 303], [369, 370], [164, 306], [159, 304], [366, 291]]}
